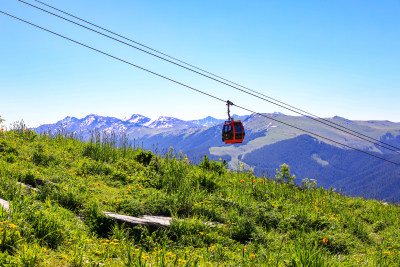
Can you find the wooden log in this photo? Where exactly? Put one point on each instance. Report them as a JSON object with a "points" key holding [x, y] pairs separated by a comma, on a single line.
{"points": [[145, 220]]}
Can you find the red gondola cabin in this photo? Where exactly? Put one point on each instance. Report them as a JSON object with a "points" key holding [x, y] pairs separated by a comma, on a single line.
{"points": [[233, 132]]}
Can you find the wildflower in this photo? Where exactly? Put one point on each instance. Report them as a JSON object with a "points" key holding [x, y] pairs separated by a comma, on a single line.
{"points": [[25, 130], [252, 256], [254, 181], [387, 252], [261, 180], [325, 240], [242, 181]]}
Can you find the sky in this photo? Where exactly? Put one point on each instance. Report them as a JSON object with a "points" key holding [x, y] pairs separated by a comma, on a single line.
{"points": [[329, 58]]}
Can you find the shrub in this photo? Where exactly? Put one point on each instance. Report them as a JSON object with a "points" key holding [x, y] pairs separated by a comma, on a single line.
{"points": [[28, 178], [94, 168], [97, 221], [213, 166], [309, 183], [267, 220], [144, 157], [40, 158], [5, 147], [205, 181], [283, 175], [243, 230], [119, 176]]}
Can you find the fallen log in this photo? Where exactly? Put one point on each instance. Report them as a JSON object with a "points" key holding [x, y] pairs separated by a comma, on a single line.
{"points": [[144, 220]]}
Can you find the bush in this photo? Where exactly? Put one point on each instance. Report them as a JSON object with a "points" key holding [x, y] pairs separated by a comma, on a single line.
{"points": [[40, 158], [119, 176], [213, 166], [97, 221], [283, 175], [267, 220], [28, 178], [94, 168], [5, 147], [144, 157], [205, 181], [243, 230]]}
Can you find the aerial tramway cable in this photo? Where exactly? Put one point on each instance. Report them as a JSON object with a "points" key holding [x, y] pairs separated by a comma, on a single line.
{"points": [[197, 90], [271, 100]]}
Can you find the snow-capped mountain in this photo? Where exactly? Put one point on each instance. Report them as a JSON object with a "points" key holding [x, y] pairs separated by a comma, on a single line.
{"points": [[137, 119], [111, 124], [164, 122], [67, 120], [206, 122], [88, 123]]}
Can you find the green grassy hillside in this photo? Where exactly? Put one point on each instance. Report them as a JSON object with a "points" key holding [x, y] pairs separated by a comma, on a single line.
{"points": [[221, 217]]}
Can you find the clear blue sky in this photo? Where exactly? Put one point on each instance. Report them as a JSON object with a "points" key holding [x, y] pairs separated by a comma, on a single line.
{"points": [[327, 57]]}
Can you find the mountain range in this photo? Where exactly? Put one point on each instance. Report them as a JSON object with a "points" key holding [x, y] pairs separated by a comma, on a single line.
{"points": [[267, 145]]}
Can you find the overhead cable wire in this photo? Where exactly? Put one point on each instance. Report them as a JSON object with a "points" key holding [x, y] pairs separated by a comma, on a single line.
{"points": [[194, 89], [271, 100]]}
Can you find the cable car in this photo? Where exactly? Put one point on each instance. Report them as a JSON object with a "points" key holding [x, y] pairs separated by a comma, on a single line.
{"points": [[232, 131]]}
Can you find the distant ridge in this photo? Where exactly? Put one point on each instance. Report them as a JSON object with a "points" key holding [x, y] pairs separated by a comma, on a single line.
{"points": [[108, 124]]}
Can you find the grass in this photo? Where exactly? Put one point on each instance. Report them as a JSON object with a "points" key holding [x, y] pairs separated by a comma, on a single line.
{"points": [[221, 217]]}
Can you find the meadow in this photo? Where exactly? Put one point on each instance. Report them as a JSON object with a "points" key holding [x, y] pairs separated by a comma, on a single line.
{"points": [[221, 217]]}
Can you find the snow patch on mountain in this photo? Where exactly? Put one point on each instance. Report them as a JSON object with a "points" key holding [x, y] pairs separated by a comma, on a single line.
{"points": [[137, 119], [165, 122], [67, 119], [206, 122]]}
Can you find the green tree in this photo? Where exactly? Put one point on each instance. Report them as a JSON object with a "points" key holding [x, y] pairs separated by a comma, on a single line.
{"points": [[284, 176]]}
